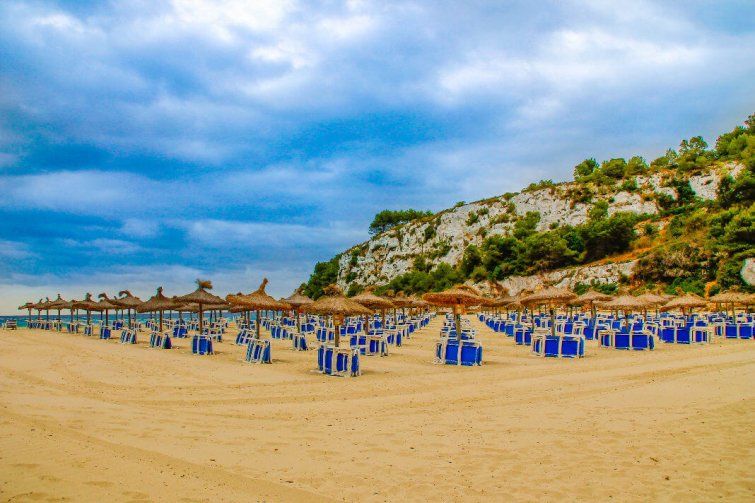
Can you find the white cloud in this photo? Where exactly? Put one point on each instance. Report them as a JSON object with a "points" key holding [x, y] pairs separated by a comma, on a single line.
{"points": [[14, 250]]}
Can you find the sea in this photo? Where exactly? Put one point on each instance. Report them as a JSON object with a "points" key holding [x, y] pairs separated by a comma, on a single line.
{"points": [[21, 321]]}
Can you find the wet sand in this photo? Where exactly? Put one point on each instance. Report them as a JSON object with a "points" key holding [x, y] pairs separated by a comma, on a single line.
{"points": [[91, 420]]}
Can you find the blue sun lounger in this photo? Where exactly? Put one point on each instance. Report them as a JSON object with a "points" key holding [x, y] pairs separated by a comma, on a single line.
{"points": [[201, 345], [160, 341], [449, 352], [522, 336], [180, 331], [88, 330], [128, 336], [258, 351], [105, 332], [685, 334], [341, 362], [738, 331], [637, 340], [558, 346], [370, 345], [299, 342], [244, 336]]}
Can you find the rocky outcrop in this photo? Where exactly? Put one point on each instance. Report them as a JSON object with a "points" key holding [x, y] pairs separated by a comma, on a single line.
{"points": [[568, 278], [444, 236], [748, 271]]}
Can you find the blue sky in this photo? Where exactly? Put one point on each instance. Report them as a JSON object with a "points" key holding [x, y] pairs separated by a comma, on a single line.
{"points": [[147, 143]]}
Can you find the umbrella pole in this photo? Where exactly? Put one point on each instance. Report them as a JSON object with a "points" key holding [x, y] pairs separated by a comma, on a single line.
{"points": [[553, 320], [200, 319], [457, 322], [257, 314], [337, 327]]}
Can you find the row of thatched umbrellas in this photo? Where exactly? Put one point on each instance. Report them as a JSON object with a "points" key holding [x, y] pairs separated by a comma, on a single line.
{"points": [[334, 303]]}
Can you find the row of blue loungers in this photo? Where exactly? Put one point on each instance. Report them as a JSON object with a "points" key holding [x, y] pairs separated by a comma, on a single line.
{"points": [[331, 360], [635, 334]]}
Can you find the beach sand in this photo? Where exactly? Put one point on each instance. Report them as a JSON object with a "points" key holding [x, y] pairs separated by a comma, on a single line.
{"points": [[91, 420]]}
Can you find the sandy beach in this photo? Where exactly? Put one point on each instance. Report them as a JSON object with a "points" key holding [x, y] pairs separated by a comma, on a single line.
{"points": [[91, 420]]}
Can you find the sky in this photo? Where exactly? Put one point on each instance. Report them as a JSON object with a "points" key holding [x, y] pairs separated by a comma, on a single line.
{"points": [[147, 143]]}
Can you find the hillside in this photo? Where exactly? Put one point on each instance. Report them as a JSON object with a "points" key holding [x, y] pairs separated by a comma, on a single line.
{"points": [[684, 221]]}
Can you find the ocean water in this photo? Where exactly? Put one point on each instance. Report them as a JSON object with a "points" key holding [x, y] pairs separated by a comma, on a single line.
{"points": [[21, 319]]}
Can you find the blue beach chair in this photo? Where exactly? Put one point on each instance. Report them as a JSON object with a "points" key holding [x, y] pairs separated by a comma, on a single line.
{"points": [[258, 351], [201, 345]]}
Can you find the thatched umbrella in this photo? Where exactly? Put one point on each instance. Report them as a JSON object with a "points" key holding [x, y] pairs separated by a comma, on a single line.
{"points": [[71, 305], [58, 304], [626, 303], [418, 303], [156, 303], [652, 300], [29, 306], [501, 301], [730, 298], [456, 297], [334, 303], [550, 297], [105, 305], [258, 301], [127, 301], [39, 306], [297, 300], [373, 302], [688, 301], [88, 305], [590, 298], [201, 297]]}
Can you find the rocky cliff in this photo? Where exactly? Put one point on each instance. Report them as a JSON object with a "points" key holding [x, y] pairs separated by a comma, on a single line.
{"points": [[443, 237]]}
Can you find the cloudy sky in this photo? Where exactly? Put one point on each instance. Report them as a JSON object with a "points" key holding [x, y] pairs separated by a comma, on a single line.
{"points": [[147, 143]]}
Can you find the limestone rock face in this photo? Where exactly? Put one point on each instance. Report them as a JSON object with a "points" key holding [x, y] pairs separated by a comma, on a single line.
{"points": [[444, 236], [748, 271]]}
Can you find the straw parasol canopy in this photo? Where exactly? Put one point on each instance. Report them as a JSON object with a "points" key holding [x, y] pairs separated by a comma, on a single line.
{"points": [[550, 297], [502, 301], [685, 302], [156, 303], [590, 298], [335, 304], [258, 300], [58, 304], [626, 303], [652, 299], [419, 303], [87, 305], [28, 306], [731, 298], [456, 296], [374, 302], [371, 301], [201, 297], [127, 301], [459, 295], [298, 299], [105, 305], [43, 305]]}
